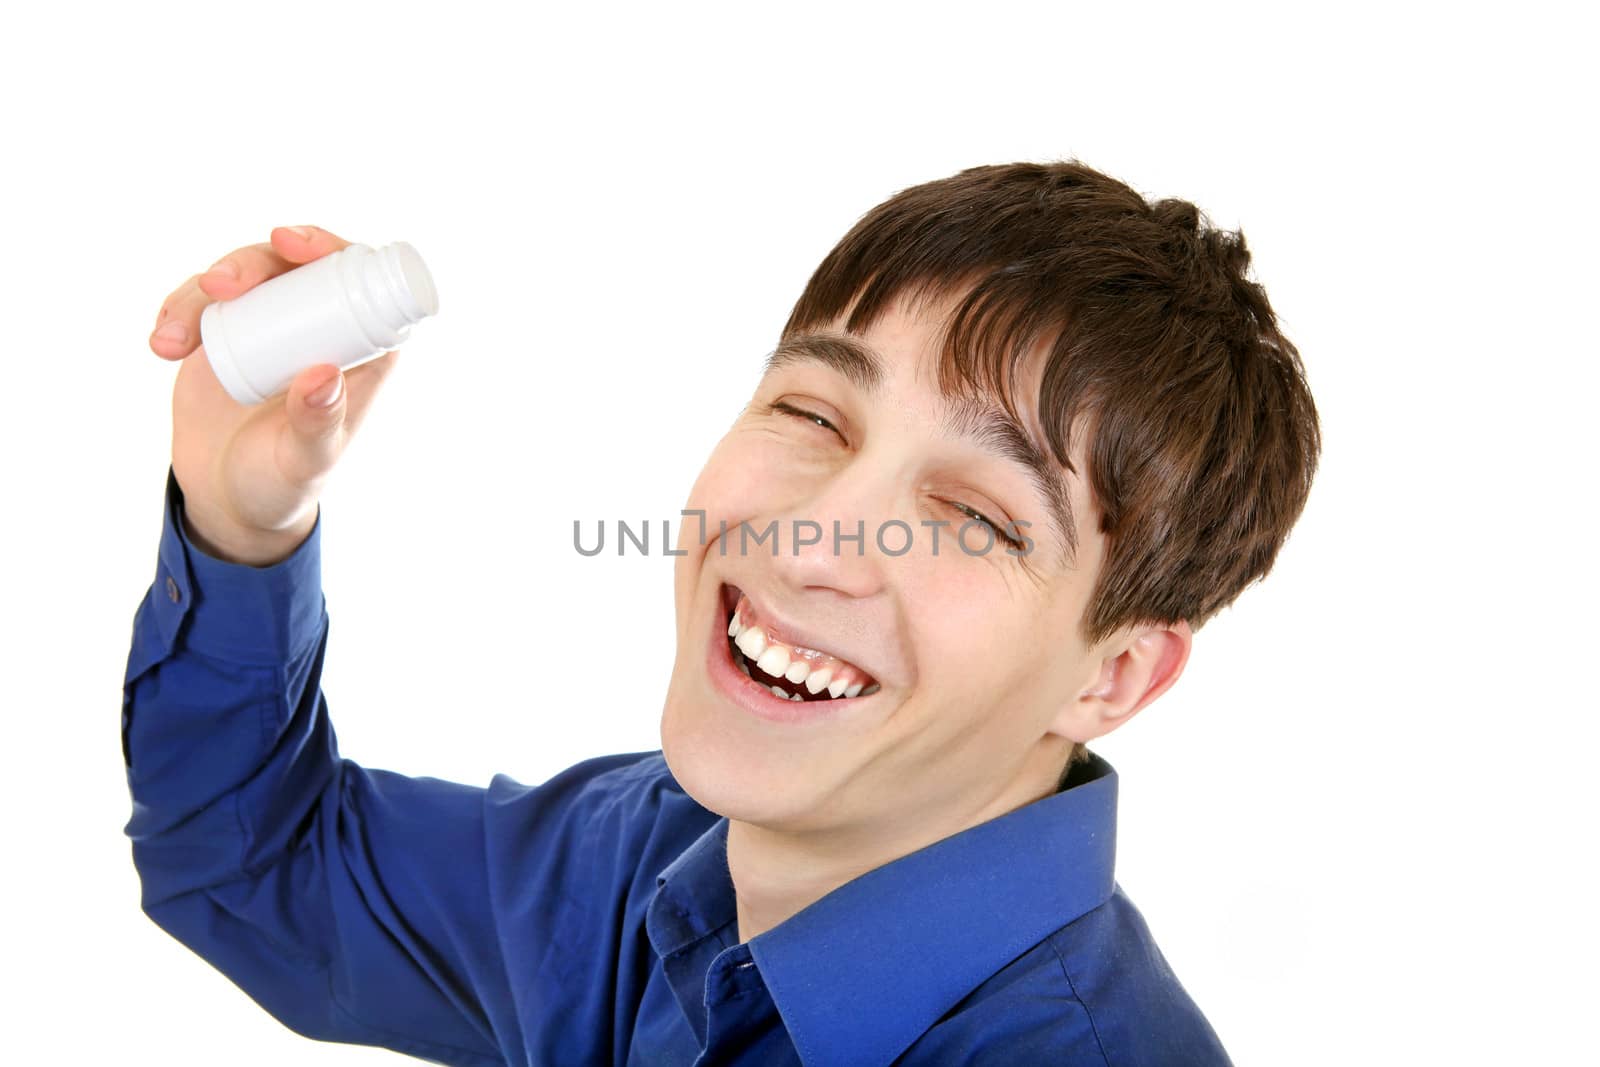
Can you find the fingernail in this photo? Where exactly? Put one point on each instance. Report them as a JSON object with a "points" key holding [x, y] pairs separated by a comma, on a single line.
{"points": [[304, 232], [225, 269], [176, 332], [326, 393]]}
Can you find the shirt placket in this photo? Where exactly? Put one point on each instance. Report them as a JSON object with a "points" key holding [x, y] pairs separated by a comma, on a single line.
{"points": [[741, 1019]]}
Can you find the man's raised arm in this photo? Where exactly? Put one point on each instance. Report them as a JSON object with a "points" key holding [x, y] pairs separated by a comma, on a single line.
{"points": [[350, 903]]}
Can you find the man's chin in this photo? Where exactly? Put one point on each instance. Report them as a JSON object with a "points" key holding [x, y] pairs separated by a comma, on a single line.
{"points": [[752, 783]]}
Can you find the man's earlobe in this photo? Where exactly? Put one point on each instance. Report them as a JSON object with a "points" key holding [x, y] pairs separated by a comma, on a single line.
{"points": [[1149, 662]]}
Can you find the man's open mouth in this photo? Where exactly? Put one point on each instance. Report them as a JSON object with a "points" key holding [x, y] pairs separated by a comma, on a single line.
{"points": [[792, 672]]}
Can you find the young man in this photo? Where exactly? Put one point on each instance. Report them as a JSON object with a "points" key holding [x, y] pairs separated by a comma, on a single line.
{"points": [[1023, 432]]}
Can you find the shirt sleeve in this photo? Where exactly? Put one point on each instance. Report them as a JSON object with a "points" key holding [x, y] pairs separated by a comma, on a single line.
{"points": [[352, 904]]}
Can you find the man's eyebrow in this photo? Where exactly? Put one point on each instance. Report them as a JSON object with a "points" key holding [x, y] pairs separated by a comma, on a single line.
{"points": [[988, 426], [859, 364]]}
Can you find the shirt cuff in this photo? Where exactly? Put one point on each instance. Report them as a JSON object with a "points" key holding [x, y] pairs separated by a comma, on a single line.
{"points": [[235, 611]]}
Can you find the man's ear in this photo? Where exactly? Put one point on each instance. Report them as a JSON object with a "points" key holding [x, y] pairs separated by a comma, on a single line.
{"points": [[1140, 666]]}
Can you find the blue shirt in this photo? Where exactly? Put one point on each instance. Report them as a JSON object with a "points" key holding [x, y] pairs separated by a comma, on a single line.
{"points": [[589, 919]]}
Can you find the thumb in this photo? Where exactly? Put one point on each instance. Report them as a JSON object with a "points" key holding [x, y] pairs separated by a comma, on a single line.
{"points": [[315, 408]]}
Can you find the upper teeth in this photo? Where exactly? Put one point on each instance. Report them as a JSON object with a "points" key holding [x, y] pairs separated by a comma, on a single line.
{"points": [[782, 661], [775, 660]]}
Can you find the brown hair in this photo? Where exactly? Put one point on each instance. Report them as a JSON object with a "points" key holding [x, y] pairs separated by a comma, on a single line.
{"points": [[1202, 435]]}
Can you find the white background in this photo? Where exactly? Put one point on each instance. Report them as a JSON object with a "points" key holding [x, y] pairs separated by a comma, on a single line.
{"points": [[1361, 825]]}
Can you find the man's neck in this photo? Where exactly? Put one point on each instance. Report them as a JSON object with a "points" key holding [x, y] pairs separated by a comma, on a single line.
{"points": [[777, 874]]}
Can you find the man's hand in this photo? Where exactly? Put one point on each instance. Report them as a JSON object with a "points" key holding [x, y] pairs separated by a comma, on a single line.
{"points": [[251, 475]]}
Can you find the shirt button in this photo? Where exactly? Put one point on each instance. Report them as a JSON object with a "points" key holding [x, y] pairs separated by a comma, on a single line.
{"points": [[172, 590]]}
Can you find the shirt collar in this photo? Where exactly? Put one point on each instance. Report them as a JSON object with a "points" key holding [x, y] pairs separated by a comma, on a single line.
{"points": [[914, 936]]}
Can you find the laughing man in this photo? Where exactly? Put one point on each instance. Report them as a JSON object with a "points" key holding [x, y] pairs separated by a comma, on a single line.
{"points": [[1022, 434]]}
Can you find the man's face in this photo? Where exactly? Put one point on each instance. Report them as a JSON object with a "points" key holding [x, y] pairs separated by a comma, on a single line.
{"points": [[976, 654]]}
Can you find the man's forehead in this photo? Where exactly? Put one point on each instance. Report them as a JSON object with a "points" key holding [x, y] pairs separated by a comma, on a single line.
{"points": [[971, 415]]}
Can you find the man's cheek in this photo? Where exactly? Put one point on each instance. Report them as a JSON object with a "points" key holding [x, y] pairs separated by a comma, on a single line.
{"points": [[753, 491]]}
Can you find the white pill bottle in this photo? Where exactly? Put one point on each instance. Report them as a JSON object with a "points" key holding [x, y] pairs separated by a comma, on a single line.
{"points": [[345, 308]]}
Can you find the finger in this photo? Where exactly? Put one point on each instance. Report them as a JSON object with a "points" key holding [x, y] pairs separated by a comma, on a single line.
{"points": [[363, 383], [302, 244], [316, 433], [177, 328], [242, 270], [313, 434]]}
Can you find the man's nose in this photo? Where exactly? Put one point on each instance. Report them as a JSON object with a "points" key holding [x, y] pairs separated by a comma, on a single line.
{"points": [[840, 536]]}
